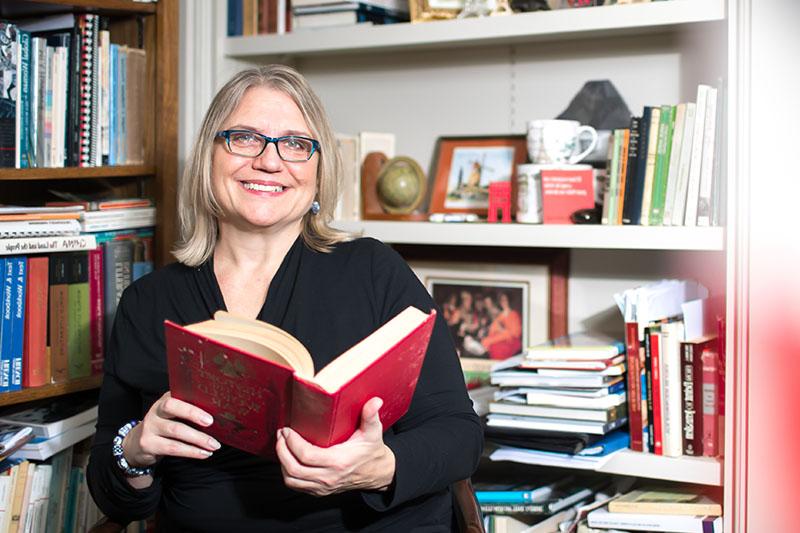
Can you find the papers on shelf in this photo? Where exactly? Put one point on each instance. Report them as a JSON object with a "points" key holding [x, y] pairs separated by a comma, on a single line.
{"points": [[590, 458]]}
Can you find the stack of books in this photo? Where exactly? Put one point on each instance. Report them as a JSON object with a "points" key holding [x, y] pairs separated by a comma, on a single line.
{"points": [[326, 13], [574, 384], [660, 509], [55, 424], [534, 508]]}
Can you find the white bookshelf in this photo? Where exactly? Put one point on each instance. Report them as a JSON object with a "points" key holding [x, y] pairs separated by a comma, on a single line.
{"points": [[564, 24], [700, 470], [540, 236]]}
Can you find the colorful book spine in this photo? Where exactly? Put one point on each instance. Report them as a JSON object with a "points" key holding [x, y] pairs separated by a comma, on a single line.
{"points": [[59, 317], [96, 311], [78, 332], [634, 385], [9, 51], [35, 363], [7, 278], [24, 151], [710, 392], [18, 319]]}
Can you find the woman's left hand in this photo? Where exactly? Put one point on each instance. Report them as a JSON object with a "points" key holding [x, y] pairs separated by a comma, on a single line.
{"points": [[362, 462]]}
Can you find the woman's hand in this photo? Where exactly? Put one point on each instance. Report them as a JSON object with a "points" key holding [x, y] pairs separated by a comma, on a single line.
{"points": [[363, 462], [163, 431]]}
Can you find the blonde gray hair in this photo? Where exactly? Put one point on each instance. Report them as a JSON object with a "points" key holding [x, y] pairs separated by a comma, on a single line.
{"points": [[198, 210]]}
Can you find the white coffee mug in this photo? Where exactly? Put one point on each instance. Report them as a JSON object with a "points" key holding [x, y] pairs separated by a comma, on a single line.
{"points": [[529, 192], [558, 141]]}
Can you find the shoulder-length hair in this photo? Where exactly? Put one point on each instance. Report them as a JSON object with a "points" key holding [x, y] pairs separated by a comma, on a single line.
{"points": [[198, 209]]}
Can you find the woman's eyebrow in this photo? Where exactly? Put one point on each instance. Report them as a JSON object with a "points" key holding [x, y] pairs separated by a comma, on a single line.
{"points": [[302, 133]]}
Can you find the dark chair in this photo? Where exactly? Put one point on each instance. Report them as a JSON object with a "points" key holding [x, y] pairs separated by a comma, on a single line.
{"points": [[465, 507]]}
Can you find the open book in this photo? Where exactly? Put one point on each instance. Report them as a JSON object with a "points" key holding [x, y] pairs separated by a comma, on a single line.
{"points": [[255, 378]]}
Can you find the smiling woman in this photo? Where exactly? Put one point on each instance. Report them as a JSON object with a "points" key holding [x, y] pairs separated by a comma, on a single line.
{"points": [[255, 204]]}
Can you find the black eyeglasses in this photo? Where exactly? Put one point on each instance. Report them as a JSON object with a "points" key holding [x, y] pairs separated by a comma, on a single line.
{"points": [[291, 148]]}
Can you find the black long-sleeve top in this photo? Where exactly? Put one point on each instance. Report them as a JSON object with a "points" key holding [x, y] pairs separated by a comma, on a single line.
{"points": [[329, 301]]}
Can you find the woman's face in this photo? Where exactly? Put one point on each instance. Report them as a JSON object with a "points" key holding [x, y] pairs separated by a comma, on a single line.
{"points": [[265, 191]]}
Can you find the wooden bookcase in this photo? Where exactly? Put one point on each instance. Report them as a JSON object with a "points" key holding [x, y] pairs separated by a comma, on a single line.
{"points": [[152, 26]]}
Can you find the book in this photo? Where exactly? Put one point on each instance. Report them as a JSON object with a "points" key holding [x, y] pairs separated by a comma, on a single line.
{"points": [[38, 245], [53, 417], [255, 378], [666, 500], [514, 502], [577, 347], [598, 415], [566, 190], [13, 436], [42, 448], [603, 518], [553, 424]]}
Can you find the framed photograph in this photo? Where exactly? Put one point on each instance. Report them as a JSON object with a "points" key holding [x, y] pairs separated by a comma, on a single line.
{"points": [[494, 311], [465, 166]]}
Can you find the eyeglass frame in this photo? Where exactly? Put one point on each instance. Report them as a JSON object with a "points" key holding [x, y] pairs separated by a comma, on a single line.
{"points": [[315, 146]]}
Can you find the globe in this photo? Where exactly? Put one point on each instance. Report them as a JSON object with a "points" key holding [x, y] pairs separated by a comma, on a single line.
{"points": [[401, 185]]}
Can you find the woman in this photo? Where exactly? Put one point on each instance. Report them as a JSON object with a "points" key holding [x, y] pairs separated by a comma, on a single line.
{"points": [[254, 205]]}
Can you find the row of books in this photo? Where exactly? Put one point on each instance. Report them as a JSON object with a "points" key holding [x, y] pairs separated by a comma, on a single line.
{"points": [[665, 169], [255, 17], [675, 356], [60, 305], [70, 96]]}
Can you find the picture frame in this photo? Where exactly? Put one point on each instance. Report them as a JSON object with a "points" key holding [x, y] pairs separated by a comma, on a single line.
{"points": [[428, 10], [469, 295], [464, 166]]}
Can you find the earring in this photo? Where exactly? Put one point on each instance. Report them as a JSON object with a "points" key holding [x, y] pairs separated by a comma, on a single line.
{"points": [[314, 207]]}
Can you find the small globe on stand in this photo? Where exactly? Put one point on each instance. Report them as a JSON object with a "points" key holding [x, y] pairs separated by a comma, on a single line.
{"points": [[401, 185]]}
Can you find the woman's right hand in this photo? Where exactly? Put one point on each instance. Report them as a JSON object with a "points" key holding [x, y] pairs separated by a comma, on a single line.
{"points": [[164, 431]]}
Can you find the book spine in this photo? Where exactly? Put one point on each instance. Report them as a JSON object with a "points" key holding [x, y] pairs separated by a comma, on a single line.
{"points": [[512, 508], [674, 161], [647, 393], [58, 318], [653, 132], [9, 50], [629, 193], [623, 172], [96, 311], [662, 165], [78, 358], [36, 245], [657, 393], [35, 364], [695, 165], [18, 320], [691, 421], [710, 384], [24, 151], [634, 386], [7, 278], [704, 200], [117, 275]]}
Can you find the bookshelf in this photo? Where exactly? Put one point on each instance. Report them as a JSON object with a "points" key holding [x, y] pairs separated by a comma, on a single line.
{"points": [[151, 26], [490, 75]]}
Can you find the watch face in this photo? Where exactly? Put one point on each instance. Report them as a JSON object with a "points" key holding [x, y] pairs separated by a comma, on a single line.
{"points": [[401, 185]]}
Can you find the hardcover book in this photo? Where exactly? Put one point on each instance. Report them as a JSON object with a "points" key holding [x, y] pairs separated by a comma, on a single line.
{"points": [[255, 378], [665, 500]]}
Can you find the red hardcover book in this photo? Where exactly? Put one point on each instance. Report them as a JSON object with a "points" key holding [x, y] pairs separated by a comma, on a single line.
{"points": [[710, 390], [691, 378], [657, 393], [96, 309], [632, 346], [35, 361], [565, 191], [255, 378]]}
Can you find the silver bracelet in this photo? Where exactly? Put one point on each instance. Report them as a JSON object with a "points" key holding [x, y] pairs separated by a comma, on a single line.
{"points": [[119, 453]]}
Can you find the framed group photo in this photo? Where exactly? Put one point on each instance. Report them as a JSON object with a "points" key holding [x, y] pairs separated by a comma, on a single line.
{"points": [[493, 311], [465, 166]]}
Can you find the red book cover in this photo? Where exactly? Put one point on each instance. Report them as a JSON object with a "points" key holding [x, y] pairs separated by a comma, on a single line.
{"points": [[96, 307], [692, 383], [634, 385], [710, 390], [658, 428], [35, 361], [565, 191], [217, 367]]}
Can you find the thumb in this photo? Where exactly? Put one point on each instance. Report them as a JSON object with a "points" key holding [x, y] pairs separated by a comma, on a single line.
{"points": [[370, 418]]}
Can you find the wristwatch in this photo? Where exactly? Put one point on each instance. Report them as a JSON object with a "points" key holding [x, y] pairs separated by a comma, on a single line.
{"points": [[119, 453]]}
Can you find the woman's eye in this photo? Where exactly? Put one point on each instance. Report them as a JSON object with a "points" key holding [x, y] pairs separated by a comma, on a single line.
{"points": [[294, 144], [245, 138]]}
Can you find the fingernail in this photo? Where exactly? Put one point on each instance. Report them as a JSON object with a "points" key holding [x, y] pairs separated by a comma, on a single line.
{"points": [[207, 420], [206, 453], [214, 444]]}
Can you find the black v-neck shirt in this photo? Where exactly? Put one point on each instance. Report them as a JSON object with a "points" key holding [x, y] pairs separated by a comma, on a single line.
{"points": [[329, 301]]}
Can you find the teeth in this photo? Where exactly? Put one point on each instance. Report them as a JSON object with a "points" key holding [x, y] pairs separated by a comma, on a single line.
{"points": [[263, 188]]}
